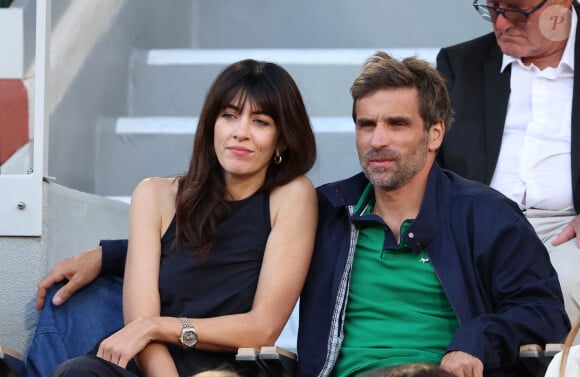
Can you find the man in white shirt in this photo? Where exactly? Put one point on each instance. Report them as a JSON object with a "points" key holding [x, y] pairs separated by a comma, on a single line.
{"points": [[517, 128]]}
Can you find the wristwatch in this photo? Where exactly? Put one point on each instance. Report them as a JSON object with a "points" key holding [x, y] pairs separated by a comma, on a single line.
{"points": [[188, 335]]}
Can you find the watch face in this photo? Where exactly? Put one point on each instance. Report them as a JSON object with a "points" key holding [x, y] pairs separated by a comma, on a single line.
{"points": [[188, 337]]}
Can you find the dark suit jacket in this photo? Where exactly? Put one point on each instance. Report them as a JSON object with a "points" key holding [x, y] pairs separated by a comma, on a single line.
{"points": [[479, 95]]}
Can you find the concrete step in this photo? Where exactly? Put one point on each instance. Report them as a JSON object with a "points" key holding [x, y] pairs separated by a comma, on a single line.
{"points": [[174, 82], [133, 148]]}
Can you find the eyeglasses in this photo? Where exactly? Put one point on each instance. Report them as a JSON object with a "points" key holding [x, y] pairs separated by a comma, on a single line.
{"points": [[515, 16]]}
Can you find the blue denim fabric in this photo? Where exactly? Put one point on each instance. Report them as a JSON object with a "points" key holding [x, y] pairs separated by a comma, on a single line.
{"points": [[76, 327]]}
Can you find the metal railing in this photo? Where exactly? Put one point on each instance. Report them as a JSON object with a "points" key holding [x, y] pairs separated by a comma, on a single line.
{"points": [[21, 207]]}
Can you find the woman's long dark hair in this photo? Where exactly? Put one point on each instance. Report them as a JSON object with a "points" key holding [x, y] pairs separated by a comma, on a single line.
{"points": [[201, 196]]}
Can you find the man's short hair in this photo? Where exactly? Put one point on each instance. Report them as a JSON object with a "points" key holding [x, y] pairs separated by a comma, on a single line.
{"points": [[382, 71]]}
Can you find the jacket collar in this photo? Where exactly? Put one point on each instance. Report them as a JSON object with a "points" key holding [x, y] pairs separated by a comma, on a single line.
{"points": [[345, 192], [432, 213]]}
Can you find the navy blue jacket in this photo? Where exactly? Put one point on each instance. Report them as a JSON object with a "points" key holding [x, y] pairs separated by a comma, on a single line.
{"points": [[492, 266], [114, 257]]}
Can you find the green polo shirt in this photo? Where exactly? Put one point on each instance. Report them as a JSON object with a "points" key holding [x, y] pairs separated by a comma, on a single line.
{"points": [[397, 312]]}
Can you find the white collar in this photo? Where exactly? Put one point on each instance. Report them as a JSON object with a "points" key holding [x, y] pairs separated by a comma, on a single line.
{"points": [[567, 56]]}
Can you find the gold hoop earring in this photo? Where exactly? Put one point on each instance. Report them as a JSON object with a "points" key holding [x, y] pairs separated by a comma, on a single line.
{"points": [[277, 159]]}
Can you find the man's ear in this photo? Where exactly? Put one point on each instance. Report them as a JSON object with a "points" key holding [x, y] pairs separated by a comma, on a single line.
{"points": [[436, 133]]}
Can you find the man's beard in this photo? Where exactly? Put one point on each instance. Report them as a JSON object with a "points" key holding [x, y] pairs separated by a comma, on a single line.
{"points": [[405, 167]]}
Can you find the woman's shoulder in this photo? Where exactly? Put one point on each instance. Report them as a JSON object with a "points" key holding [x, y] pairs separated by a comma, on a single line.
{"points": [[299, 186], [157, 185], [294, 196], [161, 190]]}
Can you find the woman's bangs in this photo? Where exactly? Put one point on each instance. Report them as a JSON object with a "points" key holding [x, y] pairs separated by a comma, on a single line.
{"points": [[261, 96]]}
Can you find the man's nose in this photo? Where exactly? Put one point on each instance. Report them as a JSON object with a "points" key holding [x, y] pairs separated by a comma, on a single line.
{"points": [[502, 23], [380, 137]]}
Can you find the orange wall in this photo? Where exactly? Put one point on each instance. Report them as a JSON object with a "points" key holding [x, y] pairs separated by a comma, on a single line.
{"points": [[13, 117]]}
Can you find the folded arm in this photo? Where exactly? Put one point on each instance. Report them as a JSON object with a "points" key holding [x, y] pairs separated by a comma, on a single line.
{"points": [[521, 299], [284, 267]]}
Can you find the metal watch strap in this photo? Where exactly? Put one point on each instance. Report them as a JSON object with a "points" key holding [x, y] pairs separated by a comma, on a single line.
{"points": [[185, 322], [188, 337]]}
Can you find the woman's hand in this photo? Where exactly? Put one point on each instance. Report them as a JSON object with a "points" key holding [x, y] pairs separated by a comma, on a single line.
{"points": [[126, 343]]}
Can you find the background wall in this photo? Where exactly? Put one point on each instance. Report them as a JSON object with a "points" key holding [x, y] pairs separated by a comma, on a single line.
{"points": [[334, 23], [73, 221]]}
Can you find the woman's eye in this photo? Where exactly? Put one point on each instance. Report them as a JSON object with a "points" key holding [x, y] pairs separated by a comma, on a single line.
{"points": [[261, 122], [228, 115]]}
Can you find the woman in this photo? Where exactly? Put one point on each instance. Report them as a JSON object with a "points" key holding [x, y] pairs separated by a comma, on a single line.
{"points": [[218, 256]]}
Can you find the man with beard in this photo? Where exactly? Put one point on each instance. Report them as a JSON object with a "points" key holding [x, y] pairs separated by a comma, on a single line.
{"points": [[412, 263]]}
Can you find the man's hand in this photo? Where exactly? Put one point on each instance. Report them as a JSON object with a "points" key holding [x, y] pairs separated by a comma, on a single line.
{"points": [[79, 270], [462, 364], [570, 231]]}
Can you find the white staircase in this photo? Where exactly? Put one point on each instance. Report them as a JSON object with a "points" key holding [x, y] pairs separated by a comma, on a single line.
{"points": [[166, 92], [156, 60]]}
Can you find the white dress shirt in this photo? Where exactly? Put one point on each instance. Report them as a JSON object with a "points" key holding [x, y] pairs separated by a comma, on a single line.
{"points": [[534, 164]]}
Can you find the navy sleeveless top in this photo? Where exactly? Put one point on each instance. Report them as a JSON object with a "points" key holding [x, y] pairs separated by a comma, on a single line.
{"points": [[224, 284]]}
